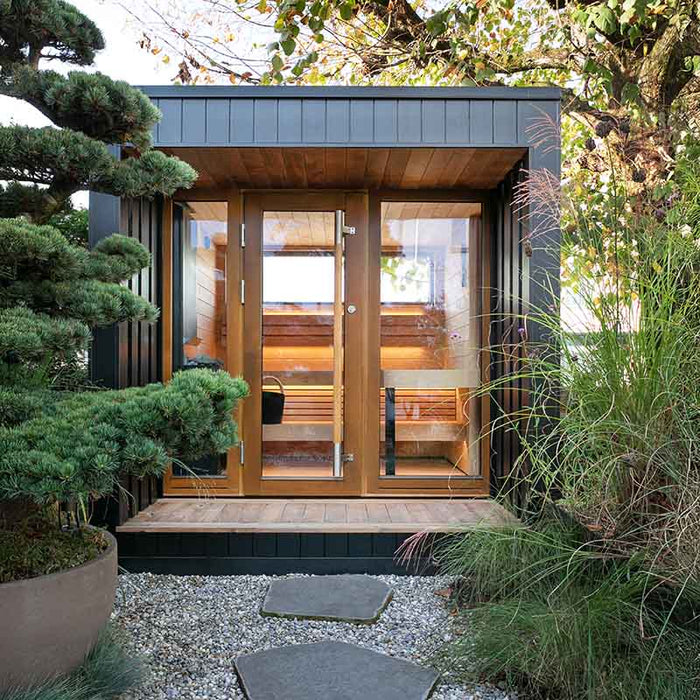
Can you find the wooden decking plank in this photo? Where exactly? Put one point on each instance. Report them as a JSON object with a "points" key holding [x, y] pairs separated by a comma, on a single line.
{"points": [[357, 513], [336, 513], [378, 513], [398, 513], [317, 515], [313, 513], [293, 512]]}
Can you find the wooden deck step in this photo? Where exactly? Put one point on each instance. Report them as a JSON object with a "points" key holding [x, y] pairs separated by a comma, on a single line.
{"points": [[370, 515]]}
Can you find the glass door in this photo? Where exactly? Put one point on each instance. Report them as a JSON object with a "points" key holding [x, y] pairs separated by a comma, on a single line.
{"points": [[429, 343], [295, 340]]}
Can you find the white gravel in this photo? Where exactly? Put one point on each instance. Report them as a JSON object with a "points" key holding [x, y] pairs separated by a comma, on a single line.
{"points": [[189, 629]]}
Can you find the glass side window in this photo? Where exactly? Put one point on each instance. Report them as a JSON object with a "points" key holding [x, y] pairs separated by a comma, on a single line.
{"points": [[199, 286], [429, 334]]}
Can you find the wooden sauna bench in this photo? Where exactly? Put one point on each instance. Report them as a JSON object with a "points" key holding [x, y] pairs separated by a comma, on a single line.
{"points": [[412, 338]]}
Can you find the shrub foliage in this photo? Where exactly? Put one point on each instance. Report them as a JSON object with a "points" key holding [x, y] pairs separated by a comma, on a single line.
{"points": [[63, 441], [598, 594]]}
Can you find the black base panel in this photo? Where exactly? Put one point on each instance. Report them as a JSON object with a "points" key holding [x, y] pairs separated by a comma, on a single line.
{"points": [[221, 554]]}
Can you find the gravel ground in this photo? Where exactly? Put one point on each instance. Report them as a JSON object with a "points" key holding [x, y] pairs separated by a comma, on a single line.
{"points": [[190, 628]]}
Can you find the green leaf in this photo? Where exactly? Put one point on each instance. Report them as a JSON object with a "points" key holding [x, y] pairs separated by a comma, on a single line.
{"points": [[277, 62], [630, 93], [288, 46], [604, 19], [436, 24]]}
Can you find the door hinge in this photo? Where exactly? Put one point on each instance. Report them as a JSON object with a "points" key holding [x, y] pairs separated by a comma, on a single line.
{"points": [[348, 457], [241, 446], [242, 291], [242, 235], [340, 228]]}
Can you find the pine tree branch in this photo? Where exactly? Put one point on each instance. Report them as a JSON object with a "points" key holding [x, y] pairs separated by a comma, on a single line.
{"points": [[119, 113]]}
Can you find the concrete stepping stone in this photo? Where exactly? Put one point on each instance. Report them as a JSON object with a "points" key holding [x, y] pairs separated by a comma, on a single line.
{"points": [[331, 671], [344, 598]]}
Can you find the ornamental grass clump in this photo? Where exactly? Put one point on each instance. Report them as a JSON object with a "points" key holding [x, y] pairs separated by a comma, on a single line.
{"points": [[65, 442], [597, 594]]}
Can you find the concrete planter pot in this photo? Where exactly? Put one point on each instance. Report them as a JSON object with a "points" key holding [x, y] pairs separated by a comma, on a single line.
{"points": [[51, 622]]}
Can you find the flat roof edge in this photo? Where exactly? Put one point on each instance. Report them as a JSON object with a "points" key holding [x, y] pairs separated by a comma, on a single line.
{"points": [[351, 92]]}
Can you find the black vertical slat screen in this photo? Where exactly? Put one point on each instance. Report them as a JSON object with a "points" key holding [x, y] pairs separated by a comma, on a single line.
{"points": [[509, 300], [140, 341], [137, 349]]}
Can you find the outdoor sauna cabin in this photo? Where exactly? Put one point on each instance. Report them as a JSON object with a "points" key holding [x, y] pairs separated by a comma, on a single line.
{"points": [[353, 253]]}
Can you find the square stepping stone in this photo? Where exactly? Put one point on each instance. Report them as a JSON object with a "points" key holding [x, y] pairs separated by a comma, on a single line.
{"points": [[331, 671], [345, 598]]}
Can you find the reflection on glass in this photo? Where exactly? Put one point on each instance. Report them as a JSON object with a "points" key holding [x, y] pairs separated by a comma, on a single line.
{"points": [[429, 339], [199, 322], [301, 269]]}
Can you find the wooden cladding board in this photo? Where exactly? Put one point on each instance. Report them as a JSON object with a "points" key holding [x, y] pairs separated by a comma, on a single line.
{"points": [[349, 168], [213, 118]]}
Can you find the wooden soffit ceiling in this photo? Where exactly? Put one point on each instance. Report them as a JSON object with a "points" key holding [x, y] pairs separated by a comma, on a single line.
{"points": [[350, 168]]}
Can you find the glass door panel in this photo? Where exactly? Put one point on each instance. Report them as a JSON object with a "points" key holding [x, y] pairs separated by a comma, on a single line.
{"points": [[302, 345], [429, 331], [200, 252]]}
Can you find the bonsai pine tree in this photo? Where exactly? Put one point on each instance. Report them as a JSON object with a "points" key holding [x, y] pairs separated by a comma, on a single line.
{"points": [[61, 444]]}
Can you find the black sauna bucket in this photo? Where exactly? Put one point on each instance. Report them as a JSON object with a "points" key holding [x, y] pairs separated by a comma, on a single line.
{"points": [[273, 403]]}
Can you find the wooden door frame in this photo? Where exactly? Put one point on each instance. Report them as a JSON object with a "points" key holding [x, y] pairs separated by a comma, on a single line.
{"points": [[374, 484], [362, 435], [256, 202], [230, 484]]}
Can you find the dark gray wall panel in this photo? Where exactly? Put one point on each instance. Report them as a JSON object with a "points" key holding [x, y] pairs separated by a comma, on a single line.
{"points": [[266, 120], [457, 121], [409, 117], [385, 121], [416, 117], [170, 127], [105, 217], [194, 123], [433, 121], [361, 121], [289, 116], [242, 124], [314, 121], [217, 131], [505, 121], [481, 122], [128, 354], [338, 121]]}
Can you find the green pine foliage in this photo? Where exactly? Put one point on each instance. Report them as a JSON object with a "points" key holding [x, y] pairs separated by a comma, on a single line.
{"points": [[68, 161], [73, 224], [35, 29], [76, 447], [64, 440], [42, 271], [118, 113], [44, 167]]}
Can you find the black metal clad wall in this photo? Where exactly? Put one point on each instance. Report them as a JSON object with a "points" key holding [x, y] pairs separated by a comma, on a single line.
{"points": [[510, 296], [129, 354], [140, 343]]}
